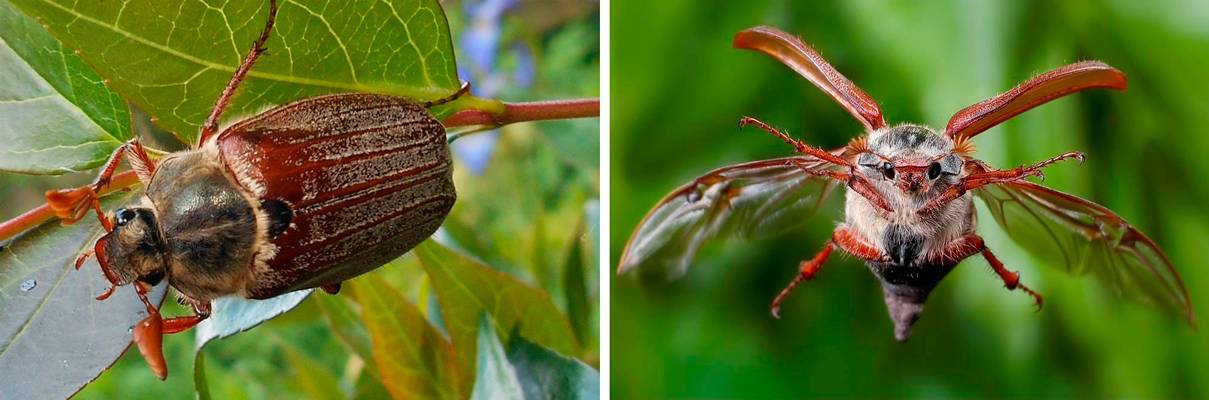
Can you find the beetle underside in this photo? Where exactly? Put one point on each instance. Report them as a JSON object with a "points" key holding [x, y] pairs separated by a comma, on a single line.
{"points": [[905, 289]]}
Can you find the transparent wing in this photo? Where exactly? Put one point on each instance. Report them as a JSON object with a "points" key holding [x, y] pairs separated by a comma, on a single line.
{"points": [[1084, 237], [746, 200]]}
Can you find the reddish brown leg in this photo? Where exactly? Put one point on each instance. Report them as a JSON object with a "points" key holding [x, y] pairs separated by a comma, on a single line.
{"points": [[978, 180], [210, 127], [972, 244], [958, 250], [180, 324], [797, 144], [855, 182], [84, 257], [864, 188], [70, 205], [852, 244], [843, 238], [108, 292], [149, 334], [461, 92], [806, 271], [1011, 279]]}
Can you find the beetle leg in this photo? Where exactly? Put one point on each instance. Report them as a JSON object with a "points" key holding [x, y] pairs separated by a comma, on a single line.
{"points": [[852, 244], [797, 144], [70, 205], [864, 188], [465, 89], [210, 127], [149, 334], [108, 292], [1011, 279], [332, 289], [981, 179], [957, 250], [972, 244], [857, 183], [843, 238], [806, 271], [179, 324], [84, 257]]}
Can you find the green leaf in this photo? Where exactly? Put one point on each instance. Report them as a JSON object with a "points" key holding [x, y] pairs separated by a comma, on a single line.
{"points": [[315, 379], [58, 115], [347, 325], [545, 374], [576, 288], [369, 388], [200, 384], [173, 58], [55, 337], [232, 314], [414, 359], [495, 378], [466, 288]]}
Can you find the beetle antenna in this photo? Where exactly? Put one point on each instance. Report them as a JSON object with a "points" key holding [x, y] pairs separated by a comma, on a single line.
{"points": [[797, 144], [210, 127]]}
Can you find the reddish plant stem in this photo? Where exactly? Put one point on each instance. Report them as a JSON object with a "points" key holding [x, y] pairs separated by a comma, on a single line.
{"points": [[513, 112], [531, 111], [43, 213], [25, 221]]}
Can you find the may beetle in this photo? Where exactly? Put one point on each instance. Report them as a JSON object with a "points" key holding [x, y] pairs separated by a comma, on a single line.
{"points": [[303, 195], [909, 204]]}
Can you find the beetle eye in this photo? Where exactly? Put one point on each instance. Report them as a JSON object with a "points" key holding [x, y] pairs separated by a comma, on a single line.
{"points": [[888, 170], [934, 170], [123, 216]]}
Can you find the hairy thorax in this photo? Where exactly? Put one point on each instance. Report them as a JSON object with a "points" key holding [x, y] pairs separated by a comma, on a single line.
{"points": [[877, 227], [208, 223], [911, 238]]}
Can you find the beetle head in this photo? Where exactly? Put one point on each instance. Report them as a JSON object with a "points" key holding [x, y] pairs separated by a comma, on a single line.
{"points": [[133, 250], [910, 160]]}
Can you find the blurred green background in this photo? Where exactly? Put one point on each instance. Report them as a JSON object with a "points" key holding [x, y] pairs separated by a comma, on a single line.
{"points": [[678, 90]]}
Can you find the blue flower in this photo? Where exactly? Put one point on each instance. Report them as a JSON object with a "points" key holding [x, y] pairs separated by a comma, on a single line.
{"points": [[480, 48]]}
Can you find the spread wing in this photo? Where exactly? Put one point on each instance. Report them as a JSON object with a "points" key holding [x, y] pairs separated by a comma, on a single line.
{"points": [[746, 200], [1084, 237], [796, 54], [1039, 90]]}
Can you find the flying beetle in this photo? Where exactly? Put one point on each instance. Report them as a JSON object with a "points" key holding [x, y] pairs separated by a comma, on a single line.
{"points": [[909, 208]]}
